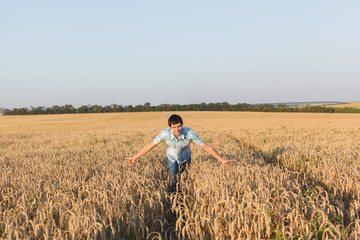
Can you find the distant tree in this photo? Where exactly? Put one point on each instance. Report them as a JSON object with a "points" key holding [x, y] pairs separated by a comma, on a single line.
{"points": [[129, 108], [217, 106], [32, 110], [210, 107], [202, 106], [95, 109], [147, 107], [84, 109], [39, 110], [57, 109], [114, 108], [6, 111], [15, 111], [176, 107], [138, 108], [224, 106], [119, 108], [68, 108], [282, 107]]}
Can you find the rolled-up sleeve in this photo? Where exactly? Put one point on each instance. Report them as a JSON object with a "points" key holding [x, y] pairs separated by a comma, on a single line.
{"points": [[196, 138], [159, 138]]}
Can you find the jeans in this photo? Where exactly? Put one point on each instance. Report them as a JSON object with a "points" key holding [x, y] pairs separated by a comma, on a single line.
{"points": [[177, 170]]}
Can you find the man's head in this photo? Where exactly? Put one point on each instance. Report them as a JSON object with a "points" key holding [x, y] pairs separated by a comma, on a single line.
{"points": [[175, 123], [175, 119]]}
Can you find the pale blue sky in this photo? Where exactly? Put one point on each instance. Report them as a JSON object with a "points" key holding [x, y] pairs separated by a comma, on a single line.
{"points": [[178, 52]]}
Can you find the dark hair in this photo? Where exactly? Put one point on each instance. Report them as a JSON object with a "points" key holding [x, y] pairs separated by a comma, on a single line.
{"points": [[175, 119]]}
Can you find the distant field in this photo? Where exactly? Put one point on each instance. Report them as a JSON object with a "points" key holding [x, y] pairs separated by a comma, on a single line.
{"points": [[302, 104], [295, 176], [324, 104], [348, 104]]}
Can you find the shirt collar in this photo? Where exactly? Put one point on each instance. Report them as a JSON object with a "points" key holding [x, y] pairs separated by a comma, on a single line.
{"points": [[172, 136]]}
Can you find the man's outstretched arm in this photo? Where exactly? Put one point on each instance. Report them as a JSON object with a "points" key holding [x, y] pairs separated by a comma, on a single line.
{"points": [[142, 151], [212, 151]]}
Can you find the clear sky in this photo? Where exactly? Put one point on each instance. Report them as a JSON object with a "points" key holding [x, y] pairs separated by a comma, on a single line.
{"points": [[178, 52]]}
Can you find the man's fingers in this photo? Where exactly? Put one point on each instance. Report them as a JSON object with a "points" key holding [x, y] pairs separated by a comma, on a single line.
{"points": [[131, 161], [228, 163]]}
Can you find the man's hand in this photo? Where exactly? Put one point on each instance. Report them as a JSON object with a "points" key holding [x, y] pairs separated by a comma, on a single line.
{"points": [[131, 160], [227, 163], [144, 150], [212, 151]]}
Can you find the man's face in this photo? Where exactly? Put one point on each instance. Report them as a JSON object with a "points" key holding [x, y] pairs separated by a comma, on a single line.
{"points": [[176, 128]]}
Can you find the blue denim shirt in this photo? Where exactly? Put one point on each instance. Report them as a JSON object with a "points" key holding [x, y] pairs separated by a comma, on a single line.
{"points": [[179, 149]]}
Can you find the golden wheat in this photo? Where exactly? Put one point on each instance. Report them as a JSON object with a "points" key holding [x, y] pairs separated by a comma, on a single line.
{"points": [[296, 176], [346, 105]]}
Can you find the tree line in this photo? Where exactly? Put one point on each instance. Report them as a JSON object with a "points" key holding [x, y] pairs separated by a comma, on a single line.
{"points": [[223, 106]]}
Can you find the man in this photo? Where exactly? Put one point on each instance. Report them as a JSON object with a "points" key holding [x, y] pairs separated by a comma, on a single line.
{"points": [[178, 138]]}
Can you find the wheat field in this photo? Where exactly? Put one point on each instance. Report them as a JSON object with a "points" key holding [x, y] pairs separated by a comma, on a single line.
{"points": [[346, 105], [295, 176]]}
